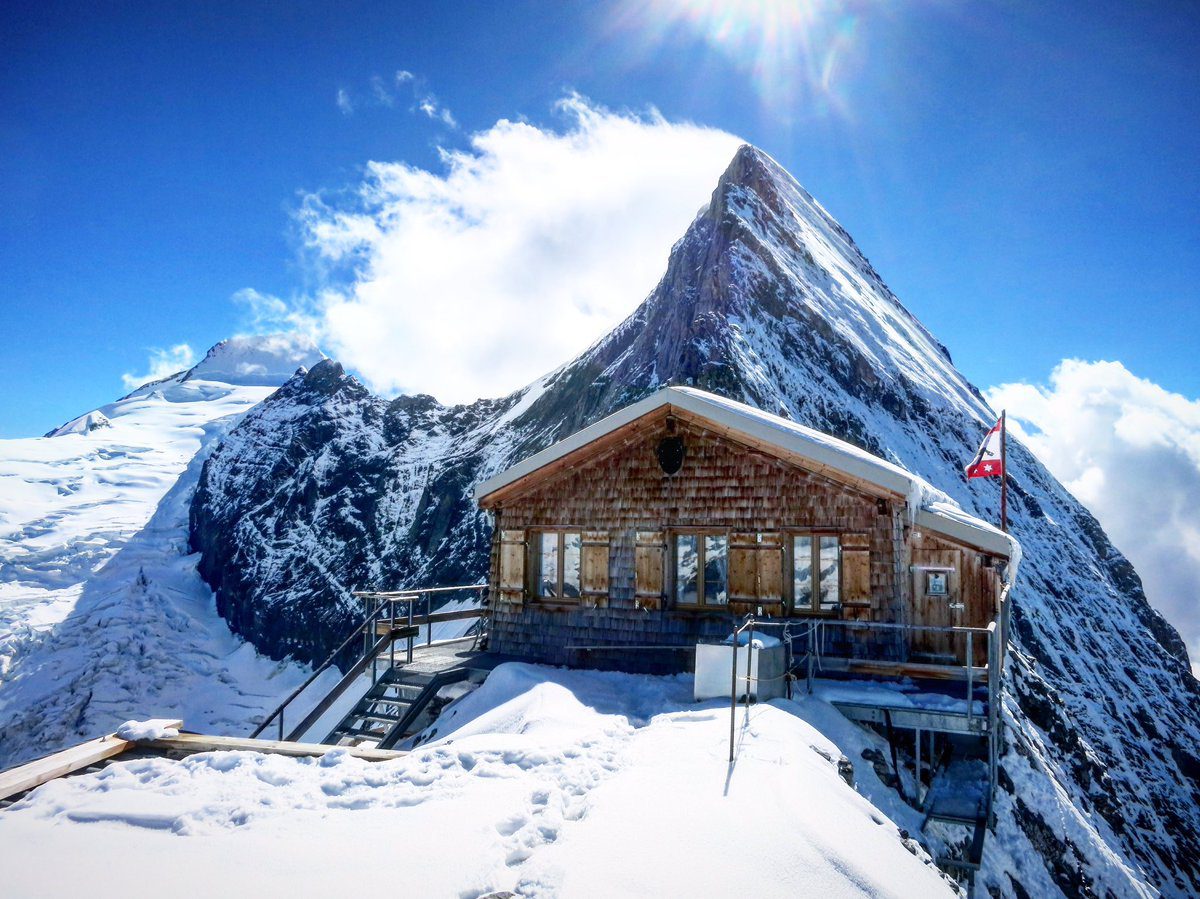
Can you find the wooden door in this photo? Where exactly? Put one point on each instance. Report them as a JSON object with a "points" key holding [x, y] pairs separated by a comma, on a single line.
{"points": [[937, 603]]}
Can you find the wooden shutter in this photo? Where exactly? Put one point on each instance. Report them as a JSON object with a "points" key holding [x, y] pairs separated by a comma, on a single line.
{"points": [[650, 564], [512, 566], [770, 573], [743, 571], [856, 576], [756, 573], [594, 568]]}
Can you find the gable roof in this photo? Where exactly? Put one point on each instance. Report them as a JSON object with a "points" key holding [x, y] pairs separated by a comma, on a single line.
{"points": [[812, 449]]}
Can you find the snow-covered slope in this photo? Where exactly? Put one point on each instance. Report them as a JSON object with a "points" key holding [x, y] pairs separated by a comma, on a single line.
{"points": [[766, 300], [102, 614], [541, 783]]}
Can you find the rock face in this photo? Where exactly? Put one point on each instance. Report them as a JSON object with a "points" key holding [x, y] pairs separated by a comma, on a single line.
{"points": [[325, 488]]}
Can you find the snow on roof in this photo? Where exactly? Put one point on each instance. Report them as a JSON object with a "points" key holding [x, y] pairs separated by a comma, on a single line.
{"points": [[929, 507]]}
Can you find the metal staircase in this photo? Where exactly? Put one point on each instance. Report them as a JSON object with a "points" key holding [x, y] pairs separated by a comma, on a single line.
{"points": [[400, 703]]}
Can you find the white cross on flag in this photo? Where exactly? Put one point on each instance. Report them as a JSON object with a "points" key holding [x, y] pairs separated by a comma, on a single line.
{"points": [[988, 462]]}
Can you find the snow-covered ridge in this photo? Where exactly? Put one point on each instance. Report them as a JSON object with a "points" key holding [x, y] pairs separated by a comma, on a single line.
{"points": [[102, 614]]}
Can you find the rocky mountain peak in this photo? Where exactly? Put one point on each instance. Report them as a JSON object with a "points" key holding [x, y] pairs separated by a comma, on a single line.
{"points": [[257, 360]]}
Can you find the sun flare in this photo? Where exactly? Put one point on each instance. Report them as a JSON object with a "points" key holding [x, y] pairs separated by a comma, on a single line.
{"points": [[796, 52]]}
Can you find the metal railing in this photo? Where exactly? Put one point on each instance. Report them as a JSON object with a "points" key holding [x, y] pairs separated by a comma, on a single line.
{"points": [[380, 628], [815, 657]]}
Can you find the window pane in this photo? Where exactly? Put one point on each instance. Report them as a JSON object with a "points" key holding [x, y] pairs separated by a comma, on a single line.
{"points": [[571, 546], [829, 572], [686, 583], [548, 569], [802, 574], [716, 570]]}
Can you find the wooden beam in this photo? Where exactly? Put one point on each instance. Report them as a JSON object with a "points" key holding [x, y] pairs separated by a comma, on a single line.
{"points": [[921, 670], [193, 743], [34, 774]]}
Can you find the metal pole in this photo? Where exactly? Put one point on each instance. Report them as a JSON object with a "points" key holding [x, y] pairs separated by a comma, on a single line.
{"points": [[1003, 472], [918, 754], [428, 623], [733, 693], [281, 725], [970, 677], [814, 631], [749, 657], [366, 625], [411, 600]]}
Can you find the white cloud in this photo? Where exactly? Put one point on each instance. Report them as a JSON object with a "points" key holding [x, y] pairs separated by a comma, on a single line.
{"points": [[266, 313], [429, 105], [1130, 451], [474, 280], [381, 92], [161, 364]]}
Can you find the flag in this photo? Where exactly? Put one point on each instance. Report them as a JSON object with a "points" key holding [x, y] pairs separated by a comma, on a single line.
{"points": [[989, 460]]}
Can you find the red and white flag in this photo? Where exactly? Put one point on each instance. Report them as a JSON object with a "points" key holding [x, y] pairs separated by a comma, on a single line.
{"points": [[989, 461]]}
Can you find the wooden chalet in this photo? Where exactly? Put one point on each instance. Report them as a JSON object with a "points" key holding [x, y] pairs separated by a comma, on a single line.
{"points": [[656, 528]]}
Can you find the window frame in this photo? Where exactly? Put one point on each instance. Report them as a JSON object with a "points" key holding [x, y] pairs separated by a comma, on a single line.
{"points": [[534, 565], [814, 535], [701, 604]]}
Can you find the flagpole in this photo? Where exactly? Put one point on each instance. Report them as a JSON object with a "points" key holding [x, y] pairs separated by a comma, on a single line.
{"points": [[1003, 472]]}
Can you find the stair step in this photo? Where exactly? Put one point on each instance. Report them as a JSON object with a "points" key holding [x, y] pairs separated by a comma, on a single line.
{"points": [[371, 703], [360, 733], [386, 719]]}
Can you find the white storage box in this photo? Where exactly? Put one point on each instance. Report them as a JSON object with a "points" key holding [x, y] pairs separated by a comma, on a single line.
{"points": [[767, 668]]}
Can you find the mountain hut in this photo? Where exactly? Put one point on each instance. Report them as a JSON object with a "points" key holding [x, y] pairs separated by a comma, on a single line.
{"points": [[660, 526]]}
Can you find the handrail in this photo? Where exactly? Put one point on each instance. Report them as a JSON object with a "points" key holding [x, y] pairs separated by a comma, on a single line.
{"points": [[865, 625], [339, 688], [404, 594], [317, 672], [363, 628]]}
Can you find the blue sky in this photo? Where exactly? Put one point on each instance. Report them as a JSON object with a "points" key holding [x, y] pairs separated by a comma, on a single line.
{"points": [[1023, 175]]}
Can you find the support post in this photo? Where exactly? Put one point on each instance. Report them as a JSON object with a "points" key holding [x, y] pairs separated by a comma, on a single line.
{"points": [[411, 600], [733, 693], [1003, 471], [749, 660], [970, 677]]}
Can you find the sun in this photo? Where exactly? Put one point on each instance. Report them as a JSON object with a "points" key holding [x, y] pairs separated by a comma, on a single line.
{"points": [[794, 51]]}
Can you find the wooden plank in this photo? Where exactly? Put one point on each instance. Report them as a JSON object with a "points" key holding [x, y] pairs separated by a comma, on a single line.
{"points": [[904, 669], [33, 774], [192, 743]]}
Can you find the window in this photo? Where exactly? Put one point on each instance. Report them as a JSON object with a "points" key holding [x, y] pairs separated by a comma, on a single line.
{"points": [[555, 564], [816, 572], [701, 570]]}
